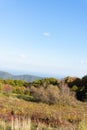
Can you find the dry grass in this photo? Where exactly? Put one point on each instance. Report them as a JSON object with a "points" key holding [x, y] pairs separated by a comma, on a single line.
{"points": [[60, 116], [17, 124], [25, 124]]}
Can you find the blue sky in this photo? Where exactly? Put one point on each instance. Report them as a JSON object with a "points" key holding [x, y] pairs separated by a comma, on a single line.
{"points": [[44, 37]]}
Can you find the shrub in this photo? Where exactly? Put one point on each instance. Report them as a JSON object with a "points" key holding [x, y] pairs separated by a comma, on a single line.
{"points": [[0, 86], [74, 88], [48, 95], [7, 88], [19, 90]]}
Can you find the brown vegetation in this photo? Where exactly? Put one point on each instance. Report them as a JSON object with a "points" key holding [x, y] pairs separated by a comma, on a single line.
{"points": [[48, 101]]}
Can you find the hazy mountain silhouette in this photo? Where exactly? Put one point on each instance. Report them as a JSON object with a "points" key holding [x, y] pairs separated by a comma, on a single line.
{"points": [[29, 78]]}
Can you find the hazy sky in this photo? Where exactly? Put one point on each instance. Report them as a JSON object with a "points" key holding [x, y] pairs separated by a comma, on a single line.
{"points": [[44, 37]]}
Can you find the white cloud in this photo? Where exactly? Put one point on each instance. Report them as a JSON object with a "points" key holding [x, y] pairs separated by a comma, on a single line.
{"points": [[46, 34], [22, 56], [82, 62]]}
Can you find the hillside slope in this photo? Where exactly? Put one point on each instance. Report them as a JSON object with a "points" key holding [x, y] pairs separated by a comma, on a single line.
{"points": [[47, 101], [28, 78]]}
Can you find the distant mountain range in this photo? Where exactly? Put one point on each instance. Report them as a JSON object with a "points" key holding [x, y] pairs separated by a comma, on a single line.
{"points": [[28, 78]]}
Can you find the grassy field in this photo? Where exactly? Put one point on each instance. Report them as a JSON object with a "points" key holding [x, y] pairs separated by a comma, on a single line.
{"points": [[18, 114], [46, 104]]}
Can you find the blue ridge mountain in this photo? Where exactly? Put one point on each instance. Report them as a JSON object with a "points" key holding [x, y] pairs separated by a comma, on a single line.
{"points": [[28, 78]]}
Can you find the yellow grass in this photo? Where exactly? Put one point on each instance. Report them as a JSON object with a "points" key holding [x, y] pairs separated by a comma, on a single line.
{"points": [[60, 116]]}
